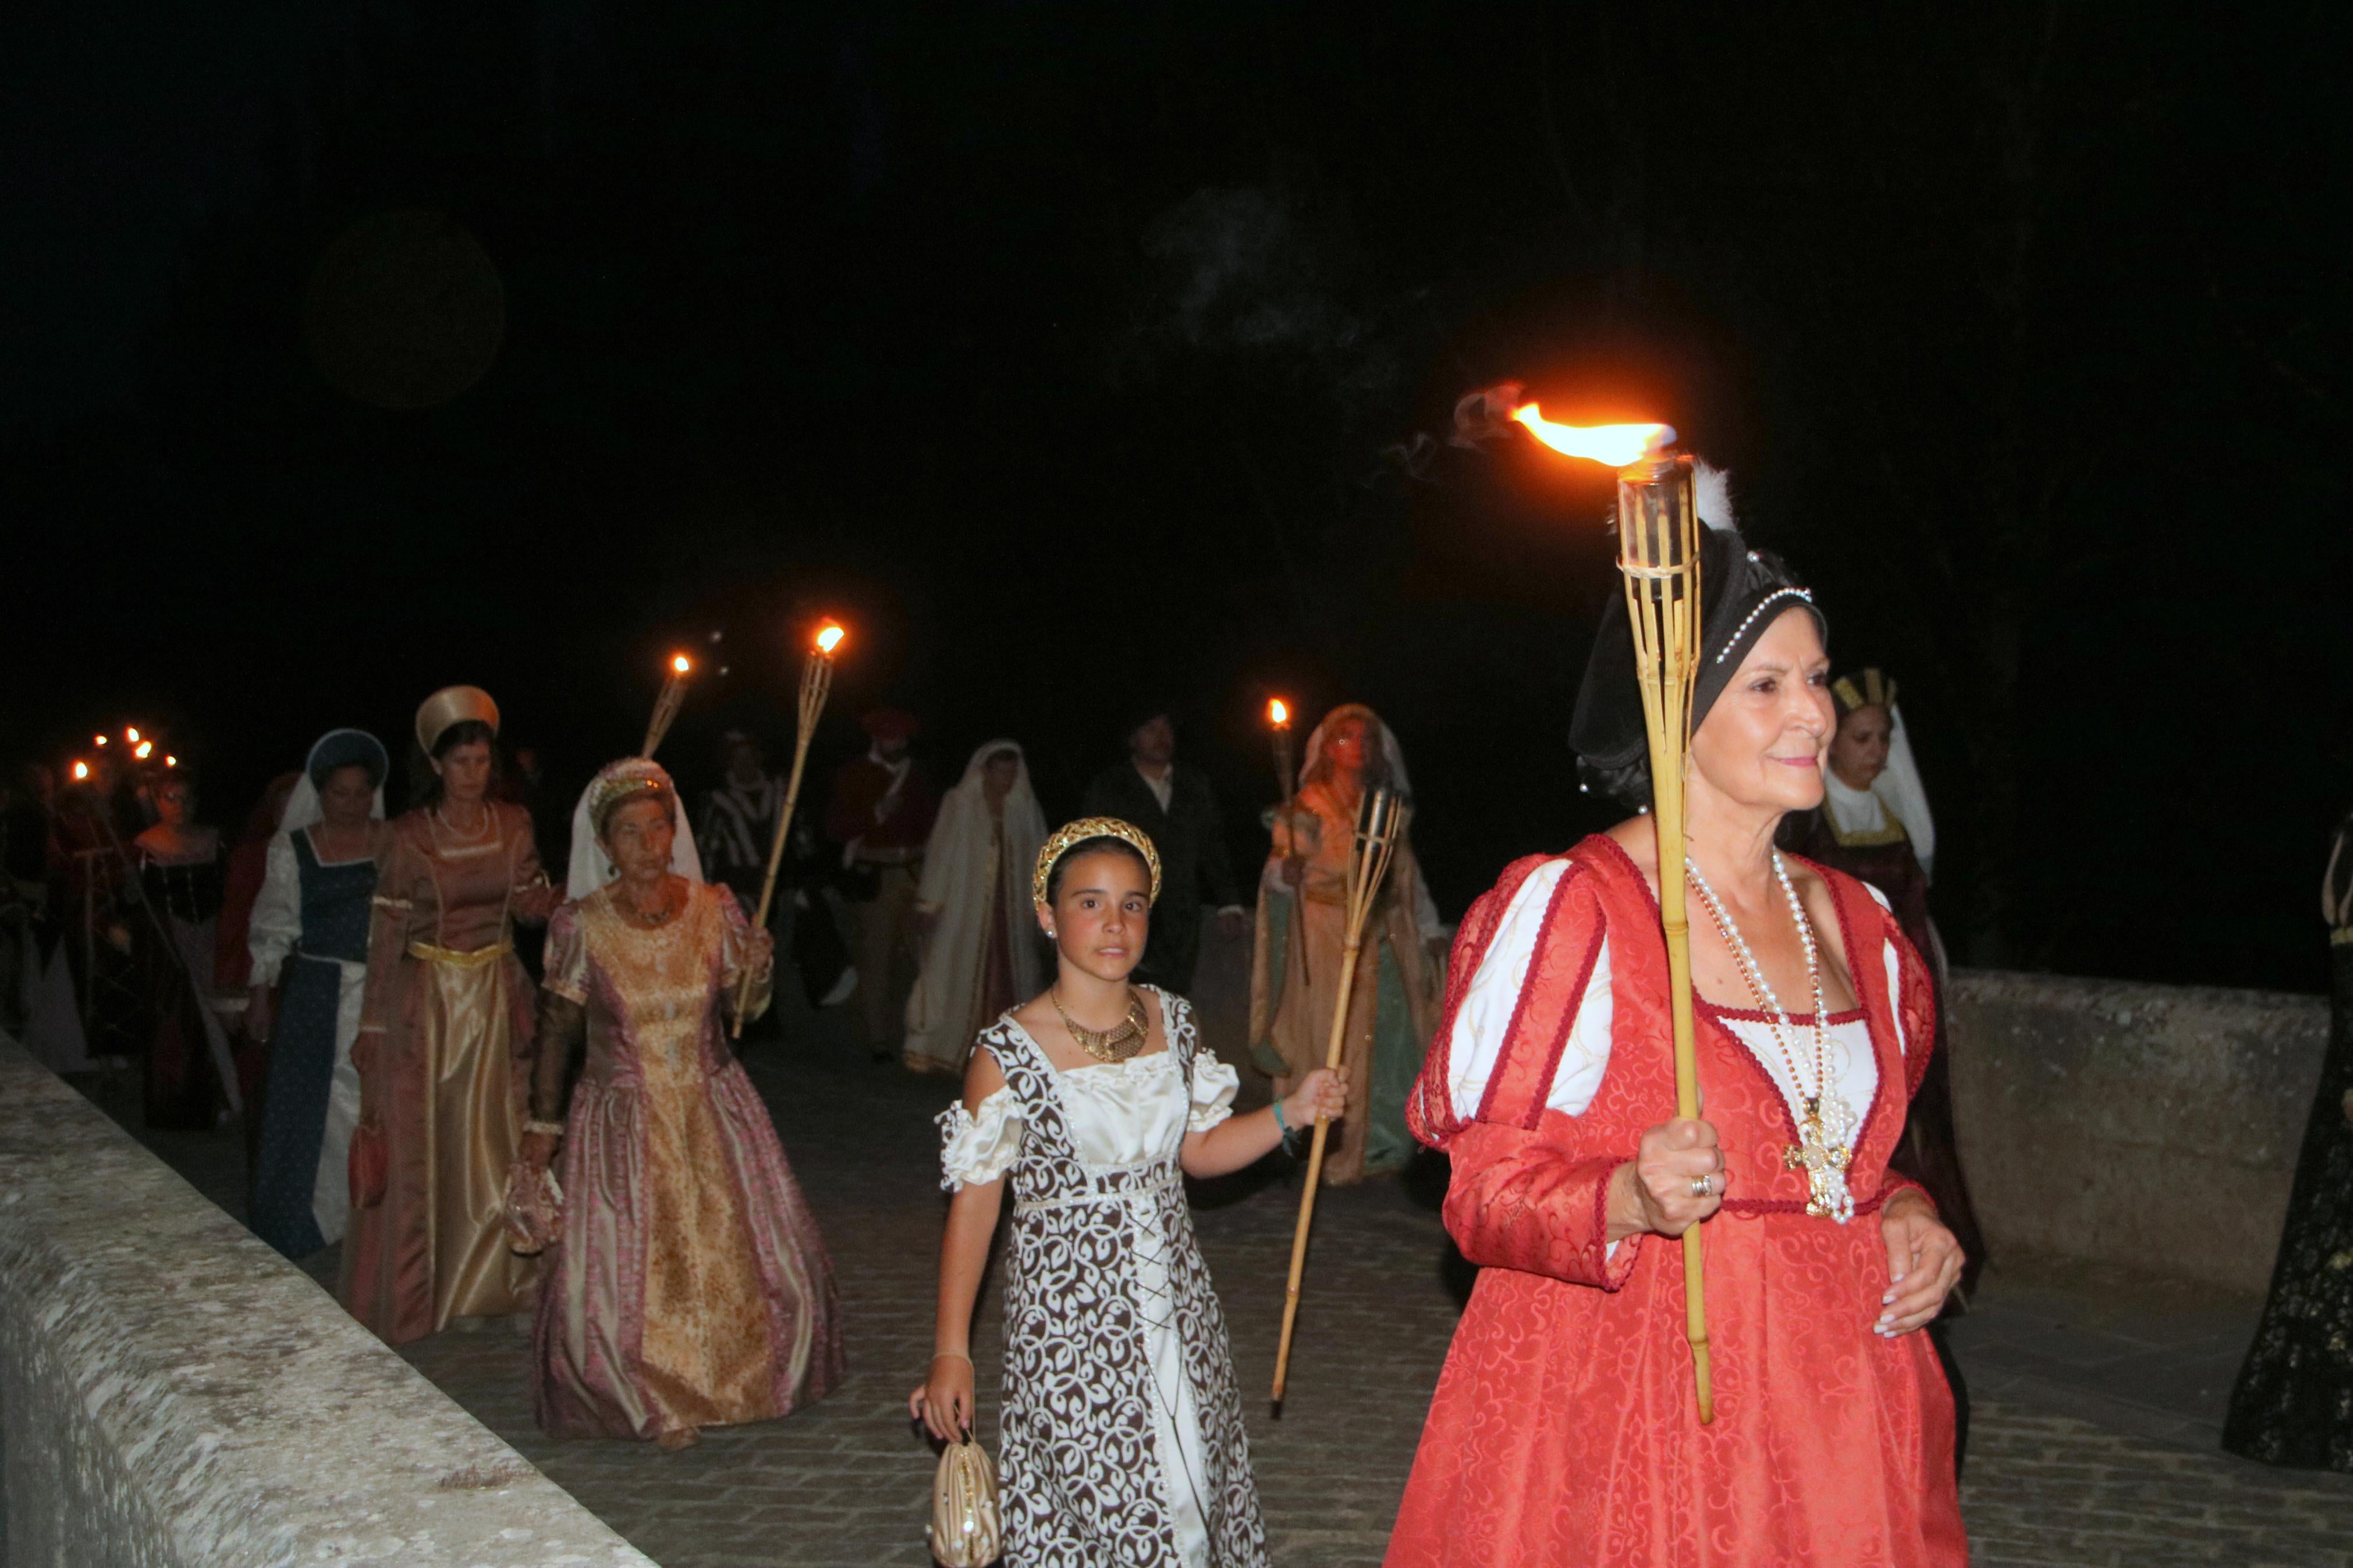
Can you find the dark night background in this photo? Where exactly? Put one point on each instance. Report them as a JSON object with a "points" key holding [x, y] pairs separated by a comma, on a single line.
{"points": [[1073, 352]]}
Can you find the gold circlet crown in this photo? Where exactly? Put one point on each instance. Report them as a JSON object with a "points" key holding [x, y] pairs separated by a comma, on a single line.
{"points": [[1078, 832]]}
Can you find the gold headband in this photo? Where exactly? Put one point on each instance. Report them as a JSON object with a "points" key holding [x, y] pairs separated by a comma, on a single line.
{"points": [[617, 784], [1078, 832], [1865, 688]]}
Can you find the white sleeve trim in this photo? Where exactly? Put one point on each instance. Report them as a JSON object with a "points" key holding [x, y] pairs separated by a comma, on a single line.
{"points": [[275, 924], [1895, 996], [979, 1147], [1484, 1019], [1215, 1084]]}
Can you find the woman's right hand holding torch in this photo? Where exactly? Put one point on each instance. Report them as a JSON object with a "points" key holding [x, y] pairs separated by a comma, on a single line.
{"points": [[1675, 1180]]}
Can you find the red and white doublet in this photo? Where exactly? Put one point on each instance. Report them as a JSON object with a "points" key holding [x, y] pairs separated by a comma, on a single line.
{"points": [[1563, 1429]]}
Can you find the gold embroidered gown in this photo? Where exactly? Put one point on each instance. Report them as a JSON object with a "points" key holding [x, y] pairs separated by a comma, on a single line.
{"points": [[691, 1288], [443, 1053]]}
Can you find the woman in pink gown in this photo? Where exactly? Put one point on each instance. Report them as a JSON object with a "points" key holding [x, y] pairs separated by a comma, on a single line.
{"points": [[691, 1288]]}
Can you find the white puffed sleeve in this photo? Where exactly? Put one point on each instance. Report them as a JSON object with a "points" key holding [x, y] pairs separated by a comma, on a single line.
{"points": [[275, 924], [1214, 1085], [979, 1147]]}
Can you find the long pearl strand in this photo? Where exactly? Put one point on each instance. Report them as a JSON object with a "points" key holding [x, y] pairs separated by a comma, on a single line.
{"points": [[1826, 1129]]}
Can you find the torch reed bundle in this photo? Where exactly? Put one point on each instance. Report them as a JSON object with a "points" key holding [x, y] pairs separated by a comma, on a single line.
{"points": [[666, 706], [1658, 554], [1380, 820], [817, 685]]}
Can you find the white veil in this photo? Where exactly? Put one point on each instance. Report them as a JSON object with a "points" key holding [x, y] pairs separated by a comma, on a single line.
{"points": [[1425, 908], [956, 889], [591, 867], [303, 805], [1899, 788]]}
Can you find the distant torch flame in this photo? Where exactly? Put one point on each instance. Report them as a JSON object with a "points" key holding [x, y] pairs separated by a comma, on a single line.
{"points": [[141, 750], [100, 739], [1616, 445], [171, 761], [81, 771], [828, 638], [1278, 712], [131, 735], [680, 663]]}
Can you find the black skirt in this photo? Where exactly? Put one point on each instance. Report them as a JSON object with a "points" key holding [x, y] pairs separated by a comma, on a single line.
{"points": [[2294, 1402]]}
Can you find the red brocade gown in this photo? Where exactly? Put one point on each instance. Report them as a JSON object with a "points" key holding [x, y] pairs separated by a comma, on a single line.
{"points": [[1564, 1428]]}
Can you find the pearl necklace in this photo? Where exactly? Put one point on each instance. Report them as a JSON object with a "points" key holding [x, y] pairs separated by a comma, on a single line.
{"points": [[1825, 1144]]}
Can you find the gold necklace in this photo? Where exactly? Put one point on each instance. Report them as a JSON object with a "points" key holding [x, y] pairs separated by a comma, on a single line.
{"points": [[1112, 1044], [650, 920]]}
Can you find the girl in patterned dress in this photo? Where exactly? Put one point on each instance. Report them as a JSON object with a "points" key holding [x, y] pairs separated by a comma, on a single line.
{"points": [[1121, 1430]]}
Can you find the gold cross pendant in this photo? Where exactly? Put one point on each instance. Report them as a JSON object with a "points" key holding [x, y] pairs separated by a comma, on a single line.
{"points": [[1824, 1164]]}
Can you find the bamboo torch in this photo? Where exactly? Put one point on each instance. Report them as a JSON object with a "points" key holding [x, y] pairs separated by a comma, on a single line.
{"points": [[1658, 555], [1379, 824], [1278, 722], [817, 684], [666, 706]]}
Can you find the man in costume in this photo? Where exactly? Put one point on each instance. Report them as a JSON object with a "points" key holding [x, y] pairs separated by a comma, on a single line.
{"points": [[1178, 808], [737, 830], [880, 817]]}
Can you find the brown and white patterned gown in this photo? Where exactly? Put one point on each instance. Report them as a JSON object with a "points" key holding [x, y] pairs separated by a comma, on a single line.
{"points": [[1122, 1429]]}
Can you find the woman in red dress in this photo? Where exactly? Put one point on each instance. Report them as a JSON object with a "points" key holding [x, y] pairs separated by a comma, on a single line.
{"points": [[1564, 1428]]}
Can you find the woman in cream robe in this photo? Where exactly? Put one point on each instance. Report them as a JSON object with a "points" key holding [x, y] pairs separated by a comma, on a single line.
{"points": [[1302, 926], [980, 955]]}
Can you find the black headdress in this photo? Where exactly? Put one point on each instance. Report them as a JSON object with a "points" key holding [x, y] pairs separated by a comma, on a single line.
{"points": [[1742, 592]]}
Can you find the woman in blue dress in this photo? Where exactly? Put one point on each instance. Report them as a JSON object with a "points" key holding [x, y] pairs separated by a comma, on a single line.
{"points": [[309, 945]]}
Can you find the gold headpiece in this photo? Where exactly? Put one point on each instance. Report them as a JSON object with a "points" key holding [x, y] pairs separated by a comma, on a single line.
{"points": [[1864, 688], [621, 780], [453, 705], [1078, 832]]}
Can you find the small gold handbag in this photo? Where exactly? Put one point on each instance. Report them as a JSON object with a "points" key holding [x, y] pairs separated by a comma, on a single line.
{"points": [[965, 1529]]}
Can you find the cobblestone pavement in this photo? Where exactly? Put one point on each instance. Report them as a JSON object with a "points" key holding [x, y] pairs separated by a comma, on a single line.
{"points": [[2092, 1442]]}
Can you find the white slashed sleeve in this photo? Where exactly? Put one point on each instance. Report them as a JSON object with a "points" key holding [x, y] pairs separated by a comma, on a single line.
{"points": [[1895, 976], [1214, 1085], [1485, 1020], [276, 921], [979, 1147]]}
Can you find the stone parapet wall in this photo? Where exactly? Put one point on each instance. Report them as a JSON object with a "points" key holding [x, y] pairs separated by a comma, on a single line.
{"points": [[173, 1394], [2151, 1126]]}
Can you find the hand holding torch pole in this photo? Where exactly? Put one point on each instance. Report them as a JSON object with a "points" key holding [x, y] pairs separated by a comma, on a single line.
{"points": [[666, 706], [1658, 555], [1379, 824], [817, 685]]}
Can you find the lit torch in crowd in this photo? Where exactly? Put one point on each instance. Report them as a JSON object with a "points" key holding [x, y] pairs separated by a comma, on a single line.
{"points": [[1658, 555], [666, 706], [1278, 723], [817, 685]]}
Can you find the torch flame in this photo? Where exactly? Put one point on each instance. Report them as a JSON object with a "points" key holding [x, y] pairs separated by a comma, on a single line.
{"points": [[1278, 712], [142, 748], [132, 736], [828, 638], [1616, 445], [100, 739], [171, 761], [680, 663], [81, 772]]}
